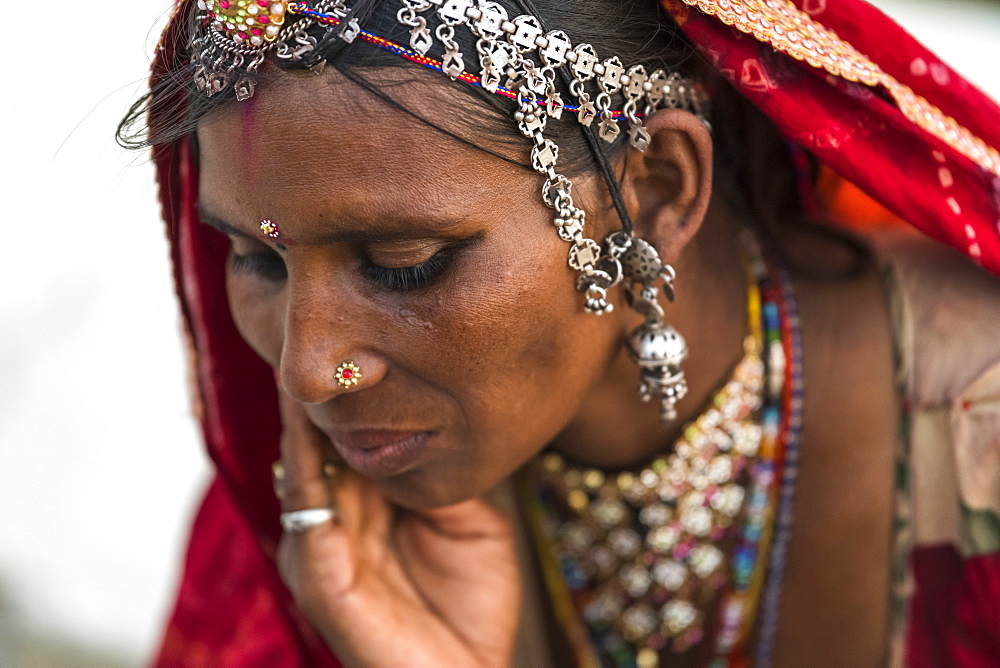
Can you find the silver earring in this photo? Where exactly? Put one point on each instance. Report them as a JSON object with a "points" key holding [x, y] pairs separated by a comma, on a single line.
{"points": [[658, 348]]}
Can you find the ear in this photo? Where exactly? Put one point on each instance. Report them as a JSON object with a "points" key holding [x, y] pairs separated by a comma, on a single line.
{"points": [[668, 186]]}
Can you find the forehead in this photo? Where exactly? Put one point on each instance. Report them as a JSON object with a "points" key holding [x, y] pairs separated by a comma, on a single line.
{"points": [[306, 145]]}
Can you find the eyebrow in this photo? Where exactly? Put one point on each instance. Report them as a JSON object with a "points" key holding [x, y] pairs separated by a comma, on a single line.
{"points": [[218, 223], [360, 235]]}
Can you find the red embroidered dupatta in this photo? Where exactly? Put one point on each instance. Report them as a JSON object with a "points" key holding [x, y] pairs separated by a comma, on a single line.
{"points": [[940, 173]]}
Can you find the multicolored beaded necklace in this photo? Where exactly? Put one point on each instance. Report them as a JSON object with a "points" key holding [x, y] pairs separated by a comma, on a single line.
{"points": [[635, 562]]}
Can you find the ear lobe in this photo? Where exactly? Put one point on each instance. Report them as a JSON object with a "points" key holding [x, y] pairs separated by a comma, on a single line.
{"points": [[668, 186]]}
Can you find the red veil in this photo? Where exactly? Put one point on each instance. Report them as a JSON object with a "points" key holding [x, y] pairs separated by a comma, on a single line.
{"points": [[917, 139]]}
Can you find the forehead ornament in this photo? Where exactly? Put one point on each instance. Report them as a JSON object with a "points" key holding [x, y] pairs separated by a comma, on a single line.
{"points": [[269, 229], [516, 58]]}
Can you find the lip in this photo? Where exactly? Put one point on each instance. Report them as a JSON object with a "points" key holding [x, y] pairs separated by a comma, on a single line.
{"points": [[378, 453]]}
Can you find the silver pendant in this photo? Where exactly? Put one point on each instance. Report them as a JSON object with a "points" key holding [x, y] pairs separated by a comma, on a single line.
{"points": [[245, 88], [217, 83], [597, 302], [420, 38], [350, 30], [453, 65], [609, 130], [659, 350], [639, 137], [554, 105], [585, 116], [642, 263]]}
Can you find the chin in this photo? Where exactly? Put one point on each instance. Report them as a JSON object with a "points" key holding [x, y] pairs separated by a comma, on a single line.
{"points": [[423, 489]]}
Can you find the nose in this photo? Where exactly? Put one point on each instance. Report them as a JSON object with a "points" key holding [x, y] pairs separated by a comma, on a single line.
{"points": [[325, 353]]}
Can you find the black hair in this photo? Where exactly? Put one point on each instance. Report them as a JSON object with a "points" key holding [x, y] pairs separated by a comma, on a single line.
{"points": [[756, 171]]}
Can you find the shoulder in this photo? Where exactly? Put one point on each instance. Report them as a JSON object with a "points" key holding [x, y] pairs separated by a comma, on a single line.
{"points": [[946, 317]]}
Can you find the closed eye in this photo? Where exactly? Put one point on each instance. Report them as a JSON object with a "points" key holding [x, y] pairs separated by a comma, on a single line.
{"points": [[264, 263], [404, 279]]}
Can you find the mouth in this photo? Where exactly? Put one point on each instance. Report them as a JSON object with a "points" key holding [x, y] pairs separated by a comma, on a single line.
{"points": [[377, 453]]}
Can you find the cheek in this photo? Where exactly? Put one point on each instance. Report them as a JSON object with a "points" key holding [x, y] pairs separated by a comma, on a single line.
{"points": [[520, 351]]}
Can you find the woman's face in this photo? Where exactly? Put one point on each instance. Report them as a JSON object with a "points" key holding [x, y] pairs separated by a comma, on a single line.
{"points": [[431, 265]]}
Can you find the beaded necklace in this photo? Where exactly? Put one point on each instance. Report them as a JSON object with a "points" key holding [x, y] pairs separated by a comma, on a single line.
{"points": [[631, 560], [792, 432]]}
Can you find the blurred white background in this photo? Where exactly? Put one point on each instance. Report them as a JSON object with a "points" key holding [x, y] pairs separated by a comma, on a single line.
{"points": [[100, 464]]}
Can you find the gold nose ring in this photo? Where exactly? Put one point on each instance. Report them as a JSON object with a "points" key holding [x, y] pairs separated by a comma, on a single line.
{"points": [[348, 374]]}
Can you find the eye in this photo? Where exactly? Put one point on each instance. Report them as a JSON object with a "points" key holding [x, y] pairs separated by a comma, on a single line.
{"points": [[403, 279], [264, 263]]}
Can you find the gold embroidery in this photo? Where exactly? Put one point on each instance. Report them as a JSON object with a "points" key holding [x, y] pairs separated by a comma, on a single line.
{"points": [[790, 30]]}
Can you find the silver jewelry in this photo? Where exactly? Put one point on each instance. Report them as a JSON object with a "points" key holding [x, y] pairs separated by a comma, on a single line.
{"points": [[298, 521], [513, 52], [657, 348]]}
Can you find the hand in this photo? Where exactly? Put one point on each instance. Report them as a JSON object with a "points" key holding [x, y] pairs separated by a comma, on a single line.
{"points": [[386, 586]]}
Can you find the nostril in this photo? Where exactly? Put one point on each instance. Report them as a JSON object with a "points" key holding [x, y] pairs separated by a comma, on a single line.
{"points": [[307, 383]]}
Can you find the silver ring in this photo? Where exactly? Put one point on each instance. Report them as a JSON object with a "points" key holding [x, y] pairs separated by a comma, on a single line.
{"points": [[298, 521]]}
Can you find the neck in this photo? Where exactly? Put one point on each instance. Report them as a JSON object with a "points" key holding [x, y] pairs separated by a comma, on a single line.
{"points": [[614, 429]]}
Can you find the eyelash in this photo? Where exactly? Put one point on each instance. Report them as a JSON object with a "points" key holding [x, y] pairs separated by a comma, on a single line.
{"points": [[404, 279], [270, 266]]}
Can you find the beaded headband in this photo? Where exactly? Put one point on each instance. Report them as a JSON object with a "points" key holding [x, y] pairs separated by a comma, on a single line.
{"points": [[517, 58]]}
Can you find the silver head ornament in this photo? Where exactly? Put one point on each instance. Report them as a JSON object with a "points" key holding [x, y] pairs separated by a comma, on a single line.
{"points": [[514, 56]]}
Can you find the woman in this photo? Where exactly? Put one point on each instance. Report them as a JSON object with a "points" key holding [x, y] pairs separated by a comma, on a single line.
{"points": [[466, 475]]}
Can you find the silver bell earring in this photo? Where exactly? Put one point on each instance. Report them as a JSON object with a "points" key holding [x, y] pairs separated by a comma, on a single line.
{"points": [[658, 348]]}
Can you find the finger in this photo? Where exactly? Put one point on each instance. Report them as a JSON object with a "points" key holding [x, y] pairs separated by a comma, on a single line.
{"points": [[320, 564], [303, 475], [317, 558], [312, 476]]}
